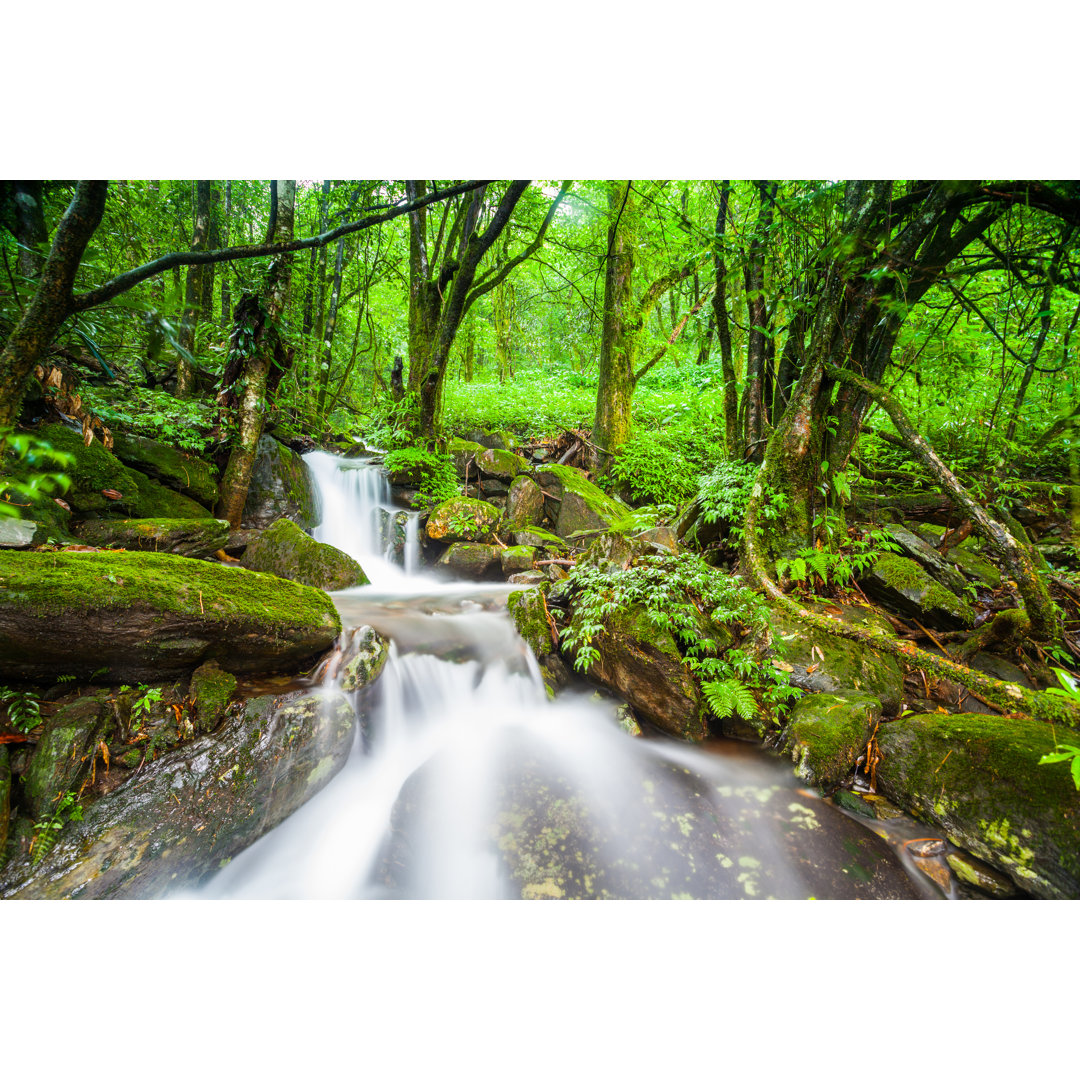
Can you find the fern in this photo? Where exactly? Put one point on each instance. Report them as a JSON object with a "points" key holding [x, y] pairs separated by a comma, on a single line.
{"points": [[730, 696]]}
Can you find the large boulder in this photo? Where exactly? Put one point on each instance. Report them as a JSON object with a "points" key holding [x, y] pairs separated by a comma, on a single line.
{"points": [[286, 551], [470, 560], [905, 586], [642, 664], [153, 500], [189, 475], [149, 617], [978, 778], [192, 809], [196, 538], [583, 507], [460, 518], [281, 486], [524, 504], [823, 663], [915, 547], [503, 464]]}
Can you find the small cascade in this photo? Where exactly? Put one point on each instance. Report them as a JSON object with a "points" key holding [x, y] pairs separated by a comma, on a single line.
{"points": [[466, 782]]}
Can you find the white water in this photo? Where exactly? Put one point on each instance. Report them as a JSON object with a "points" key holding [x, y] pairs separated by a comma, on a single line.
{"points": [[458, 720]]}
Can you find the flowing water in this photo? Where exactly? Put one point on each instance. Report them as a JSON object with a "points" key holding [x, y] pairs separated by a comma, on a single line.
{"points": [[466, 782]]}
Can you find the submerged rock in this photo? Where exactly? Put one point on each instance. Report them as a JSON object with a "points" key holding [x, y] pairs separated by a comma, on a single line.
{"points": [[187, 813], [148, 617], [174, 536], [286, 551], [281, 486], [978, 779]]}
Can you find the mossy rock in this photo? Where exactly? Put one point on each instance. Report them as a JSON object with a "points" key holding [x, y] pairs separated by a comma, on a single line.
{"points": [[529, 612], [194, 538], [182, 472], [286, 551], [503, 464], [915, 547], [539, 538], [583, 506], [823, 663], [211, 690], [156, 501], [470, 560], [980, 570], [64, 752], [464, 452], [826, 733], [978, 778], [148, 617], [94, 470], [461, 518], [5, 801], [524, 504], [194, 808], [517, 559], [642, 664], [281, 486], [904, 585], [363, 659]]}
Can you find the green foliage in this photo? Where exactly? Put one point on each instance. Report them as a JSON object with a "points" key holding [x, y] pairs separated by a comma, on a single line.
{"points": [[30, 469], [1070, 690], [822, 568], [183, 423], [690, 600], [439, 476], [725, 492], [650, 471], [22, 709], [48, 829]]}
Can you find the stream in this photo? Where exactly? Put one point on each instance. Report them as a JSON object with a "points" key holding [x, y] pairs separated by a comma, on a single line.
{"points": [[465, 781]]}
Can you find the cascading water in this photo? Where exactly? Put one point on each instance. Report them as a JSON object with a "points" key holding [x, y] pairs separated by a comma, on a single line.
{"points": [[466, 782]]}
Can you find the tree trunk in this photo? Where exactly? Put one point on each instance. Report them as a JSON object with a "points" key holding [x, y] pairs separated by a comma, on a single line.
{"points": [[27, 224], [757, 340], [53, 301], [226, 299], [193, 300], [504, 316], [259, 316], [732, 430], [328, 334]]}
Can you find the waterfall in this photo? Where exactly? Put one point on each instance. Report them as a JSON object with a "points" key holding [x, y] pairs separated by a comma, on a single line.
{"points": [[465, 781]]}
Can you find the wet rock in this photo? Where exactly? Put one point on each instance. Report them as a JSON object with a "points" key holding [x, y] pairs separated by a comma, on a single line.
{"points": [[503, 464], [821, 662], [627, 722], [524, 504], [364, 657], [281, 486], [191, 537], [211, 690], [5, 801], [470, 560], [182, 472], [17, 532], [149, 617], [464, 452], [285, 551], [978, 779], [905, 586], [642, 664], [529, 612], [528, 578], [915, 547], [583, 506], [461, 518], [187, 813], [826, 733], [64, 753], [517, 559], [975, 872], [539, 538], [238, 540]]}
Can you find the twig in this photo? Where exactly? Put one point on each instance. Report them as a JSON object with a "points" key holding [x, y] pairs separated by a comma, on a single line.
{"points": [[933, 638]]}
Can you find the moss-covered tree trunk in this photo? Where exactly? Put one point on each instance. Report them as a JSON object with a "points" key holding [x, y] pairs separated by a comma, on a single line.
{"points": [[257, 347], [52, 303], [756, 415]]}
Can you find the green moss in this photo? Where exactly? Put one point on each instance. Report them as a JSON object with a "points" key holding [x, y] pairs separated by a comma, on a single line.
{"points": [[529, 614], [211, 689], [286, 551], [461, 518], [155, 501], [827, 732], [94, 470], [597, 501], [501, 463], [907, 577], [183, 472]]}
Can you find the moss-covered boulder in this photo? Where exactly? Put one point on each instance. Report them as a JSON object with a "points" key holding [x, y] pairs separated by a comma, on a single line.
{"points": [[286, 551], [979, 570], [211, 691], [65, 751], [464, 452], [191, 810], [905, 586], [583, 507], [517, 559], [978, 779], [94, 471], [820, 662], [154, 500], [194, 537], [148, 617], [915, 547], [503, 464], [524, 504], [461, 518], [189, 475], [470, 560], [539, 538], [281, 486], [642, 664], [364, 655], [826, 733]]}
